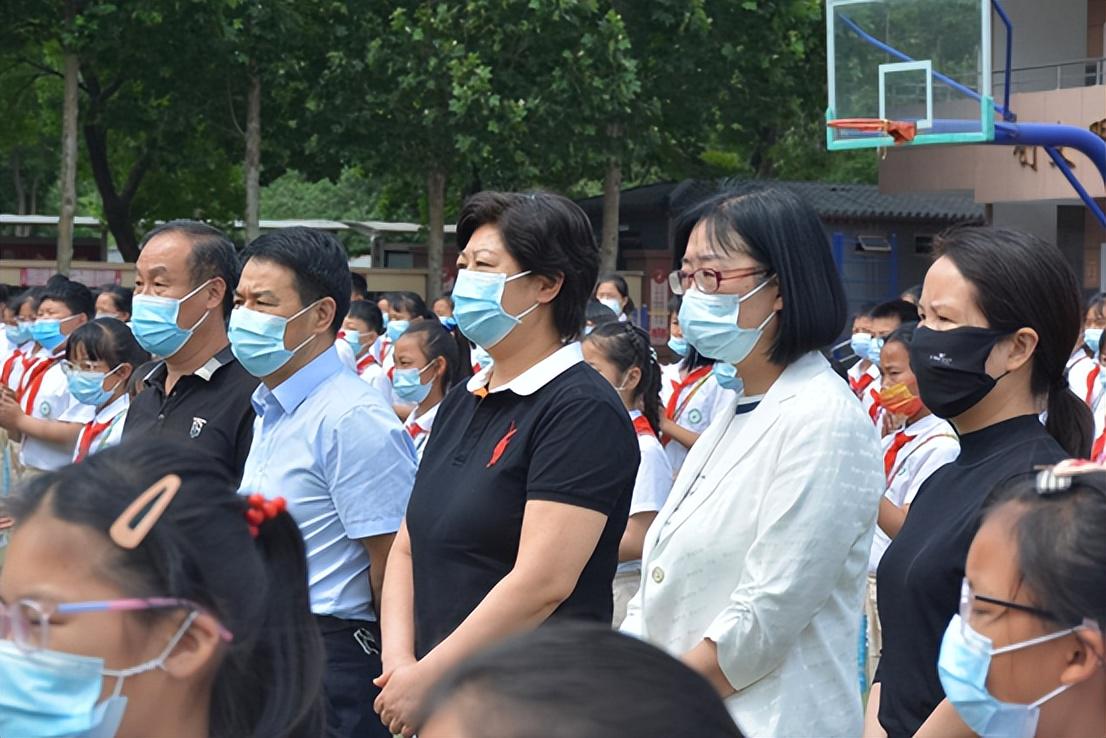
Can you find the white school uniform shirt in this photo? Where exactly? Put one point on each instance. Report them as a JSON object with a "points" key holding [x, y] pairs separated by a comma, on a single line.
{"points": [[51, 402], [707, 399], [869, 396], [654, 476], [1098, 449], [19, 364], [114, 413], [762, 547], [419, 428], [1083, 378], [933, 444]]}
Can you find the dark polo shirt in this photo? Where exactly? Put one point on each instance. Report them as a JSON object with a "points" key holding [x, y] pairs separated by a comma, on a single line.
{"points": [[209, 409]]}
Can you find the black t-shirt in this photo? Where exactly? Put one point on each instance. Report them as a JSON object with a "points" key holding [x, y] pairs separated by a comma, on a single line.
{"points": [[570, 441], [209, 409], [919, 576]]}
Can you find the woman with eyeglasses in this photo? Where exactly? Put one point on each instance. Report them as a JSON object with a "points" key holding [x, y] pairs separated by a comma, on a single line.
{"points": [[1024, 656], [999, 315], [524, 489], [142, 597], [753, 570]]}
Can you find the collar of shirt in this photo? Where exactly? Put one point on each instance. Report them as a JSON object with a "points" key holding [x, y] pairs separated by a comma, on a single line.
{"points": [[424, 422], [206, 372], [116, 407], [291, 393], [537, 376]]}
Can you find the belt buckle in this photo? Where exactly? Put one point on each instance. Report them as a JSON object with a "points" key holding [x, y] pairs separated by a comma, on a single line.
{"points": [[366, 640]]}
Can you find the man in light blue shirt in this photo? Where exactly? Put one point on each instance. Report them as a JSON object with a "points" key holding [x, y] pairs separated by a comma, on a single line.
{"points": [[328, 444]]}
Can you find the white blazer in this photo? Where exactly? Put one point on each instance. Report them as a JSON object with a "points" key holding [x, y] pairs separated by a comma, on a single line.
{"points": [[768, 555]]}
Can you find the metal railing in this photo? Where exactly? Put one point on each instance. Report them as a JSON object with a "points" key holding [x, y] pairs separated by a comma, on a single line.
{"points": [[1061, 76]]}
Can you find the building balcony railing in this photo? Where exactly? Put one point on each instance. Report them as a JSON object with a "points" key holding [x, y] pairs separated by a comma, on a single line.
{"points": [[1061, 76]]}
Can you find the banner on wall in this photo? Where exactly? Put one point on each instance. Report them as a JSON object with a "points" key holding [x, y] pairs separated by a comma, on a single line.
{"points": [[658, 307], [38, 276]]}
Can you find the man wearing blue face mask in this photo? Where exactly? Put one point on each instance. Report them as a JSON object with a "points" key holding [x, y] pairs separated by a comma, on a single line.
{"points": [[184, 285], [330, 444], [33, 412]]}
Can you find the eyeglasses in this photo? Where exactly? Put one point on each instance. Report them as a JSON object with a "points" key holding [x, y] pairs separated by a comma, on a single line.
{"points": [[969, 598], [72, 367], [27, 622], [708, 281]]}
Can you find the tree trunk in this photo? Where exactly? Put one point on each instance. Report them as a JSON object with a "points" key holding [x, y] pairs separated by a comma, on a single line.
{"points": [[32, 208], [68, 181], [612, 191], [435, 242], [253, 156], [16, 164], [117, 205]]}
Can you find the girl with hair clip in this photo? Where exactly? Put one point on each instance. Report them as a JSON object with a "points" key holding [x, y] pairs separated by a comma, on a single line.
{"points": [[430, 359], [100, 358], [999, 315], [621, 352], [143, 597], [1083, 369], [614, 294], [691, 394], [1024, 655]]}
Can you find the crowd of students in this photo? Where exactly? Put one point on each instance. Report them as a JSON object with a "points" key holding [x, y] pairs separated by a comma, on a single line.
{"points": [[251, 500]]}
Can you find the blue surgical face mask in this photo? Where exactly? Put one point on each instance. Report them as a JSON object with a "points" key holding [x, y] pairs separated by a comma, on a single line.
{"points": [[154, 323], [477, 306], [353, 338], [615, 306], [860, 343], [447, 322], [407, 384], [963, 665], [397, 328], [1092, 337], [19, 333], [47, 332], [873, 350], [709, 323], [257, 340], [53, 693], [727, 377], [481, 358], [88, 387], [678, 346]]}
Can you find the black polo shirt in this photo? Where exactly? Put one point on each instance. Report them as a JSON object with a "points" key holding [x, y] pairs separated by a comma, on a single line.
{"points": [[558, 432], [209, 409]]}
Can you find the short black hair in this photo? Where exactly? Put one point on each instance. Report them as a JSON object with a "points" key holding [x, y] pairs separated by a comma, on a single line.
{"points": [[599, 314], [317, 260], [906, 312], [368, 312], [360, 285], [410, 303], [579, 680], [74, 295], [549, 236], [212, 255], [108, 340], [782, 232], [120, 296], [904, 334]]}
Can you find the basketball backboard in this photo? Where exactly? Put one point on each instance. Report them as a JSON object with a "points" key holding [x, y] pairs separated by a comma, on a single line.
{"points": [[922, 63]]}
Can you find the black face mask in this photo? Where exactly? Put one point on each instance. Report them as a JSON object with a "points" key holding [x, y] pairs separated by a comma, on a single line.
{"points": [[950, 367]]}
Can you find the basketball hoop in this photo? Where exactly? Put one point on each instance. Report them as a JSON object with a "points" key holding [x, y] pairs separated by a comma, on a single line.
{"points": [[902, 131]]}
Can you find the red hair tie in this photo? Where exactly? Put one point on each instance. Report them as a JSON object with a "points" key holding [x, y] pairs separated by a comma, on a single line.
{"points": [[260, 510]]}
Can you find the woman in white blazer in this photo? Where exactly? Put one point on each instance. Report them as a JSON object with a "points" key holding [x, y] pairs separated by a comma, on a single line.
{"points": [[754, 570]]}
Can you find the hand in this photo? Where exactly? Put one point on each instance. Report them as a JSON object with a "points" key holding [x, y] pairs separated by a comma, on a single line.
{"points": [[6, 522], [402, 691], [10, 412]]}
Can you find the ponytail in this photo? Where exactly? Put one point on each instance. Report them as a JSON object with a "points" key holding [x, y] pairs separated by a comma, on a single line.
{"points": [[627, 346], [269, 681], [1069, 421], [444, 340]]}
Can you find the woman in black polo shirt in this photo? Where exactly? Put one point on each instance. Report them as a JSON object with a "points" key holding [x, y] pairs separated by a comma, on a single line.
{"points": [[525, 485]]}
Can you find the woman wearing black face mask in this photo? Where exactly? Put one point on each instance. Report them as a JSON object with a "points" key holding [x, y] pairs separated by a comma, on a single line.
{"points": [[999, 314]]}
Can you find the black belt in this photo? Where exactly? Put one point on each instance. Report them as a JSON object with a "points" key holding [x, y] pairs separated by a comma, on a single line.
{"points": [[365, 632]]}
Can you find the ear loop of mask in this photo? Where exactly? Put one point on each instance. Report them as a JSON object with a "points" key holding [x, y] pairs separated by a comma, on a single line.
{"points": [[189, 296], [289, 320], [528, 310], [157, 662]]}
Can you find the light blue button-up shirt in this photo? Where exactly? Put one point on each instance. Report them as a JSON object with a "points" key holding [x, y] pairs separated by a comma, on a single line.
{"points": [[328, 444]]}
